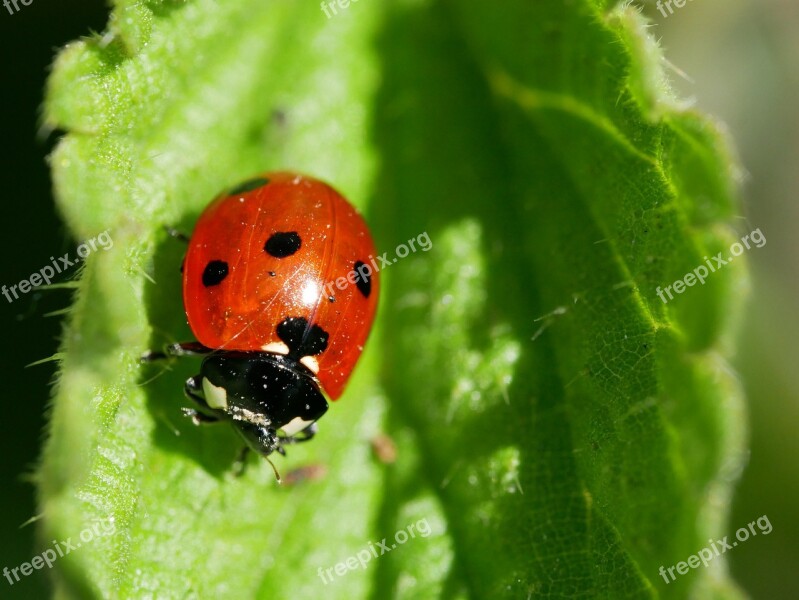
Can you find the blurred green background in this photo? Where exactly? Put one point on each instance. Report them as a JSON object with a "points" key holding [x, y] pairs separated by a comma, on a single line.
{"points": [[742, 58], [737, 59]]}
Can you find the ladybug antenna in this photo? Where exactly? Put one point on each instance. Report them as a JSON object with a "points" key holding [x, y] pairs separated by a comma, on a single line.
{"points": [[274, 468]]}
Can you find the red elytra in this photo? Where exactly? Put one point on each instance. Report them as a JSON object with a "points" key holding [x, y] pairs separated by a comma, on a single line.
{"points": [[279, 249]]}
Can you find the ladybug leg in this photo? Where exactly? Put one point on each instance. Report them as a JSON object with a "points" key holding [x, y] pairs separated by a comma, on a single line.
{"points": [[240, 464], [306, 434], [202, 413], [199, 418], [178, 235], [187, 349], [301, 436], [179, 349], [152, 356]]}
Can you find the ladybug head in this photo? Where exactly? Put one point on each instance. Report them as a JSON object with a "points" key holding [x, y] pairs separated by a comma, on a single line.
{"points": [[269, 398]]}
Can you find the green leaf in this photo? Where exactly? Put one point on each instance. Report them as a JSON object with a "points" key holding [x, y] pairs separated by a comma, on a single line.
{"points": [[562, 431]]}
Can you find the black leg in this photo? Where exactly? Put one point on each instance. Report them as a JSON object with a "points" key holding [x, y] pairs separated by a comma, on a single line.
{"points": [[178, 235], [187, 349], [193, 389], [202, 413], [301, 436], [199, 418], [179, 349], [152, 356], [240, 464]]}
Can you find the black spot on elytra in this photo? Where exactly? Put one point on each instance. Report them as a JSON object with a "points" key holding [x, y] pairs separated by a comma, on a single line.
{"points": [[364, 280], [283, 244], [301, 339], [248, 186], [214, 273]]}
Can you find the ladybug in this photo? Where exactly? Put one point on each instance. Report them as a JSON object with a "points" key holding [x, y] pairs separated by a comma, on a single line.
{"points": [[280, 294]]}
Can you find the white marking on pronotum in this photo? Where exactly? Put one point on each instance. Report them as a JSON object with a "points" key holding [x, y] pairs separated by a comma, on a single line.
{"points": [[275, 348], [294, 426], [216, 397], [311, 363]]}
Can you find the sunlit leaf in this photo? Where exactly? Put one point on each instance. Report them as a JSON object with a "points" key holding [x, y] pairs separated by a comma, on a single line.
{"points": [[561, 431]]}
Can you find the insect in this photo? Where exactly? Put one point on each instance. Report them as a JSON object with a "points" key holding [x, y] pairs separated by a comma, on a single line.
{"points": [[262, 296]]}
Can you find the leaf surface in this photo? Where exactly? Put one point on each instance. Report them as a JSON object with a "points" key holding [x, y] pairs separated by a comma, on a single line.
{"points": [[562, 432]]}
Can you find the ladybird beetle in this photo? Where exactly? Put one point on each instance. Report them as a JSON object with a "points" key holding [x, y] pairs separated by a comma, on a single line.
{"points": [[262, 293]]}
